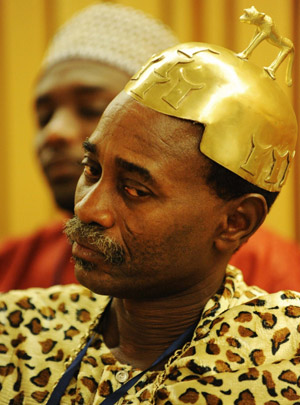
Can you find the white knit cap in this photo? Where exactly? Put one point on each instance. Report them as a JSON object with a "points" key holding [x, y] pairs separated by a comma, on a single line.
{"points": [[110, 33]]}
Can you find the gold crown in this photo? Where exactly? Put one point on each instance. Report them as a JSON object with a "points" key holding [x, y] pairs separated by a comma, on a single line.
{"points": [[250, 126]]}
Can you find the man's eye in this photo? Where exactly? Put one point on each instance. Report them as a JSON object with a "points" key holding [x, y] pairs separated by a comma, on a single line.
{"points": [[91, 171], [135, 192], [89, 112], [43, 118]]}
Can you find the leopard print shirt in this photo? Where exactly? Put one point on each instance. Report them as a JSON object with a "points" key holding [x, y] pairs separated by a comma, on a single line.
{"points": [[244, 351]]}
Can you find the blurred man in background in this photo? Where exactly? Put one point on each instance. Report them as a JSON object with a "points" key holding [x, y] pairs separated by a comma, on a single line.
{"points": [[88, 63]]}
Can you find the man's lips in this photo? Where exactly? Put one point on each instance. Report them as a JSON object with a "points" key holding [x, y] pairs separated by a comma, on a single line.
{"points": [[60, 163], [86, 252]]}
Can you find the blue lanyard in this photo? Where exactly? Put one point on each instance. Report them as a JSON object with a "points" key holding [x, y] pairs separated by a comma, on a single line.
{"points": [[59, 390], [120, 392]]}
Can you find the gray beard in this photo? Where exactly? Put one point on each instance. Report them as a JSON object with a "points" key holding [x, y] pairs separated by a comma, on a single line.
{"points": [[92, 235]]}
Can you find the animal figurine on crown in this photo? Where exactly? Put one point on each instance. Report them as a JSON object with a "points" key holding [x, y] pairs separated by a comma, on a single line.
{"points": [[266, 30]]}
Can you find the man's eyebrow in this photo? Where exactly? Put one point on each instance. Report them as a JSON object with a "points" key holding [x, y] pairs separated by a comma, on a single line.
{"points": [[82, 90], [78, 91], [89, 147], [134, 168]]}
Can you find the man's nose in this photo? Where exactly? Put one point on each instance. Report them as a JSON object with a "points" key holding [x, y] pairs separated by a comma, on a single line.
{"points": [[95, 205], [63, 128]]}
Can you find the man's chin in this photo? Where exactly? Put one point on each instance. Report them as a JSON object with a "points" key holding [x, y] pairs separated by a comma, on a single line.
{"points": [[83, 265], [90, 279]]}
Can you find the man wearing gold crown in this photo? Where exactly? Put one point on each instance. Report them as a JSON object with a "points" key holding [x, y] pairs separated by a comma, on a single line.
{"points": [[84, 68], [181, 170]]}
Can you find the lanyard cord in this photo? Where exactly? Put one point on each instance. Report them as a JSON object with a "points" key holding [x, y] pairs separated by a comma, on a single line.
{"points": [[59, 390], [120, 392], [62, 384]]}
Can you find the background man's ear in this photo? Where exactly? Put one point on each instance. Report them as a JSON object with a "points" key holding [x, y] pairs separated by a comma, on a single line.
{"points": [[244, 215]]}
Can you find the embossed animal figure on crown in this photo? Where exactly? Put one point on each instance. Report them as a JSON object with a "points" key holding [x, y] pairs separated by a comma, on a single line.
{"points": [[266, 30]]}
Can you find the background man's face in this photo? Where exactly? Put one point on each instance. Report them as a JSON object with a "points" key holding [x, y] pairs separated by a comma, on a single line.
{"points": [[69, 100], [143, 186]]}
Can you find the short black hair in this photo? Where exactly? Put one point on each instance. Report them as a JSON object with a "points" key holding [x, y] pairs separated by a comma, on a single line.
{"points": [[228, 185]]}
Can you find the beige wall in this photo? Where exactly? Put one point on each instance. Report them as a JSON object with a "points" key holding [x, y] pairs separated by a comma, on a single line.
{"points": [[26, 27]]}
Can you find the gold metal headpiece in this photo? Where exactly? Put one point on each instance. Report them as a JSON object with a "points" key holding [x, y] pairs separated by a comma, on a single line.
{"points": [[250, 126]]}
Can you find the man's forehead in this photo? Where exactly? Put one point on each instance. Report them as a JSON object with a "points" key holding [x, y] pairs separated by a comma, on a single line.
{"points": [[127, 117], [122, 116], [82, 73], [122, 104]]}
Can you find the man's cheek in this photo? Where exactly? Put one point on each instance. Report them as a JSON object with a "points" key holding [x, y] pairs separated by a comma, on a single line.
{"points": [[81, 189]]}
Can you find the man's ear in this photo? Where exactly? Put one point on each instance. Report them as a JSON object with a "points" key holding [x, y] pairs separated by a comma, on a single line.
{"points": [[244, 215]]}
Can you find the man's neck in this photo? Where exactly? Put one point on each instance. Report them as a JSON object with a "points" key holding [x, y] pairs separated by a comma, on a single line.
{"points": [[138, 331]]}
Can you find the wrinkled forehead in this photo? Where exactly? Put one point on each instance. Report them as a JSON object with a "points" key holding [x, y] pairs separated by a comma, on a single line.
{"points": [[126, 118]]}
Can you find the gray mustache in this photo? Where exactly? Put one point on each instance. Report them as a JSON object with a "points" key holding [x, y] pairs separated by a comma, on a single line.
{"points": [[92, 235]]}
